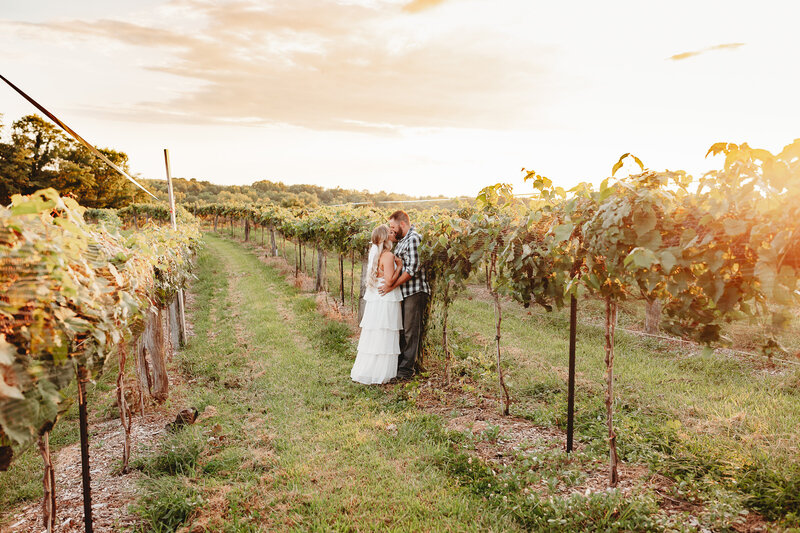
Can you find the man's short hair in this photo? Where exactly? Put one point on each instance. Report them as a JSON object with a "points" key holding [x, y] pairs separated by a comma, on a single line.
{"points": [[400, 216]]}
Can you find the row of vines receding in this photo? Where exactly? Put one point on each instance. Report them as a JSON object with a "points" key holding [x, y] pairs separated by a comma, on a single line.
{"points": [[71, 294], [712, 250]]}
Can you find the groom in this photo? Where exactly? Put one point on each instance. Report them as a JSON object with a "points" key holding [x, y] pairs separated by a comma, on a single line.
{"points": [[415, 290]]}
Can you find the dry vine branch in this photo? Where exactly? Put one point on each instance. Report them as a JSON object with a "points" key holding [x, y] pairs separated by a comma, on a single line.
{"points": [[124, 412], [49, 482]]}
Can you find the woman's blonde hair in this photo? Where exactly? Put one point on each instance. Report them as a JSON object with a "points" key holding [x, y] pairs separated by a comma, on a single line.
{"points": [[380, 238]]}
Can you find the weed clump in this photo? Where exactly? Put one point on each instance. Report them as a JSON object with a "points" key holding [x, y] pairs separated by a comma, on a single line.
{"points": [[335, 337], [166, 504], [774, 493], [177, 454]]}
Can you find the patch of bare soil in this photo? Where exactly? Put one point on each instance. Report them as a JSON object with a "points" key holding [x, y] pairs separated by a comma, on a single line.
{"points": [[331, 308], [753, 523], [111, 492], [478, 413]]}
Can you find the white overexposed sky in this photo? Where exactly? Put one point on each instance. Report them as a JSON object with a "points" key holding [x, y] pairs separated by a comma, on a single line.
{"points": [[415, 96]]}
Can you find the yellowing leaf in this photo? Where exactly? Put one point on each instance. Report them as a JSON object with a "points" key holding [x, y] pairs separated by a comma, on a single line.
{"points": [[641, 258], [734, 227]]}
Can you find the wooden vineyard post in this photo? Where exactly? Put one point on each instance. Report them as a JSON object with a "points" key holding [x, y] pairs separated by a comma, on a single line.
{"points": [[83, 378], [319, 285], [181, 310], [573, 315], [49, 482], [173, 329], [652, 316], [153, 374], [158, 357]]}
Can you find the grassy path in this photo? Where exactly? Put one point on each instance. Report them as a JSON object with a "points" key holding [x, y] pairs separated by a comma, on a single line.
{"points": [[287, 442]]}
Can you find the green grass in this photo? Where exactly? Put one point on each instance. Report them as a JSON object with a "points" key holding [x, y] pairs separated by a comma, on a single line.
{"points": [[351, 266], [296, 445], [166, 503], [176, 454], [709, 418]]}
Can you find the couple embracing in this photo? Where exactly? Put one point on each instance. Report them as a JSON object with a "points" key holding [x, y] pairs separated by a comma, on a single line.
{"points": [[396, 297]]}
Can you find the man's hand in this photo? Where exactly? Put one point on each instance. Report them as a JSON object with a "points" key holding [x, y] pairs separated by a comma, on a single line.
{"points": [[386, 289]]}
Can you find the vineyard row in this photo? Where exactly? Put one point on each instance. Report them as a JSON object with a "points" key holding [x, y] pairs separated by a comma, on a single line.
{"points": [[71, 294], [711, 250]]}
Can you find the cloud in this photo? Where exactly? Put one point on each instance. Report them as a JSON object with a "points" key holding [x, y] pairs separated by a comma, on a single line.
{"points": [[420, 5], [328, 66], [687, 55]]}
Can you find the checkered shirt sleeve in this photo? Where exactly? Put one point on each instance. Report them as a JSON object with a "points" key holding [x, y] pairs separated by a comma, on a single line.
{"points": [[408, 251]]}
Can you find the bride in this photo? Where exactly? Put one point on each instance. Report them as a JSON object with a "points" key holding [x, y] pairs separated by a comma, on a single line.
{"points": [[379, 344]]}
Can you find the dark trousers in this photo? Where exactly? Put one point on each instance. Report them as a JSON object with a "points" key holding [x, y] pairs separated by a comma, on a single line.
{"points": [[410, 339]]}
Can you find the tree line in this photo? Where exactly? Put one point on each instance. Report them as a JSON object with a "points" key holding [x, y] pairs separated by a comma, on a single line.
{"points": [[35, 154], [266, 192]]}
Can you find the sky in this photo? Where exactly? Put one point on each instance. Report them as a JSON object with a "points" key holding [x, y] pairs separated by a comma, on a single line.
{"points": [[423, 97]]}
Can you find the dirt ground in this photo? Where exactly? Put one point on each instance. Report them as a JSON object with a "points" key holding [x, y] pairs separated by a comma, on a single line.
{"points": [[111, 492]]}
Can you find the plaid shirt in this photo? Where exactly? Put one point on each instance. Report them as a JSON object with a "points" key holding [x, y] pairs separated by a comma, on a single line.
{"points": [[408, 250]]}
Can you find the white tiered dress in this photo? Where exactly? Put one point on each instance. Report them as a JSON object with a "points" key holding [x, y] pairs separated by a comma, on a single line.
{"points": [[379, 344]]}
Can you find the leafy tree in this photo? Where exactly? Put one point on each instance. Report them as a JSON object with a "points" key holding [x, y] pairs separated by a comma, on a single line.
{"points": [[38, 155], [93, 182], [29, 161]]}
